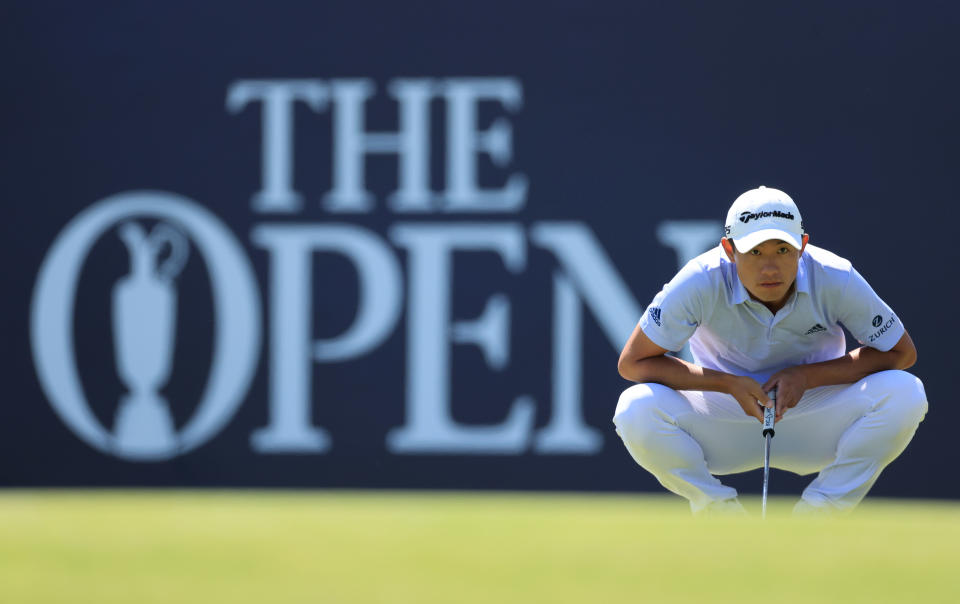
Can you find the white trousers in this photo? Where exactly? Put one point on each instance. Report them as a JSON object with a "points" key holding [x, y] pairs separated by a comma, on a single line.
{"points": [[847, 433]]}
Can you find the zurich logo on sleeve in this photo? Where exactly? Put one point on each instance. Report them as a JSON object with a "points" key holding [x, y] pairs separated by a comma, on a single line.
{"points": [[882, 327]]}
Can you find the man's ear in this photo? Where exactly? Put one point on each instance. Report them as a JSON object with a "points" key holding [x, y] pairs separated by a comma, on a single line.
{"points": [[803, 245], [728, 247]]}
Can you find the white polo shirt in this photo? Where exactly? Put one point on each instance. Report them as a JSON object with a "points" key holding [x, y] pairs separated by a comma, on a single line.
{"points": [[729, 331]]}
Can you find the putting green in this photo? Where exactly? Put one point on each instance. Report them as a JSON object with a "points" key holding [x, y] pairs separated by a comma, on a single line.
{"points": [[331, 546]]}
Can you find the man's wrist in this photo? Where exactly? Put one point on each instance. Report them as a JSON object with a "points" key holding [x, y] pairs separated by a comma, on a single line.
{"points": [[808, 374], [720, 381]]}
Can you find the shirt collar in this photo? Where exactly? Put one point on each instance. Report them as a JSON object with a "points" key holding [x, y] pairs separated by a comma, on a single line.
{"points": [[740, 293], [803, 280]]}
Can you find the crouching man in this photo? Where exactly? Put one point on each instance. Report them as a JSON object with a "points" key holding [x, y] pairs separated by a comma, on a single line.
{"points": [[764, 310]]}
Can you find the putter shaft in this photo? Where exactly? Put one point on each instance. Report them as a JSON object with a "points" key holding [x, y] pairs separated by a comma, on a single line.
{"points": [[769, 415], [766, 473]]}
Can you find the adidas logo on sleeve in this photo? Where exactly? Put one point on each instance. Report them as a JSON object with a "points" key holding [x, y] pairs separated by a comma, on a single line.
{"points": [[655, 315]]}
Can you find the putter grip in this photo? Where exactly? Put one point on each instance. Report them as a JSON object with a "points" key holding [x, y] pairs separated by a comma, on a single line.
{"points": [[769, 413]]}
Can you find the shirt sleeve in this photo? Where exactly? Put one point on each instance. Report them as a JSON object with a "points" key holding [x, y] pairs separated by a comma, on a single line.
{"points": [[675, 312], [867, 317]]}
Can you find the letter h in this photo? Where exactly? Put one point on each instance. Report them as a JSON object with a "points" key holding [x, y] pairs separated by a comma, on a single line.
{"points": [[352, 143]]}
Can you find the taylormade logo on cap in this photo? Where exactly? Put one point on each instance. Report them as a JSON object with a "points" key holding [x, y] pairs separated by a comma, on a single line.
{"points": [[748, 216], [762, 214]]}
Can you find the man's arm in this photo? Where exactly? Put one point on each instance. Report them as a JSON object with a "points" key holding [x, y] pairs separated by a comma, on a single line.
{"points": [[643, 361], [857, 364]]}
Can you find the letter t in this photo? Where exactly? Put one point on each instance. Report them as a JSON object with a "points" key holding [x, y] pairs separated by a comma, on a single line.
{"points": [[278, 97]]}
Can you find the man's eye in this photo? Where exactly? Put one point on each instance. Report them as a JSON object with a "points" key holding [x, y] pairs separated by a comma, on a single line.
{"points": [[783, 250], [755, 252]]}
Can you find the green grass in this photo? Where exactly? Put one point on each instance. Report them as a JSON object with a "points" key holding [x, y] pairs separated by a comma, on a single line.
{"points": [[328, 547]]}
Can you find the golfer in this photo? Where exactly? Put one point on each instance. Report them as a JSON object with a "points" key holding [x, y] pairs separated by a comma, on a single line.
{"points": [[764, 310]]}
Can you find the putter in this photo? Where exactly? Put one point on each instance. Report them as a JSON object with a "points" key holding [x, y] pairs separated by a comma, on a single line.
{"points": [[768, 416]]}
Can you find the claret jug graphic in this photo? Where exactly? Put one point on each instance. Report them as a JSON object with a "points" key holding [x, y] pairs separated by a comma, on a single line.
{"points": [[144, 317], [143, 307]]}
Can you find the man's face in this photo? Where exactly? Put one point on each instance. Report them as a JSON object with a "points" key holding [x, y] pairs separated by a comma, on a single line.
{"points": [[768, 270]]}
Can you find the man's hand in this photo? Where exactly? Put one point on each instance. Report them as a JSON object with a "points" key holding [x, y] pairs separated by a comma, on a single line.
{"points": [[749, 394], [790, 383]]}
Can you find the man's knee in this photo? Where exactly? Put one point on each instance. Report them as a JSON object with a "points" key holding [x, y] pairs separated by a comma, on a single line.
{"points": [[903, 395], [640, 411]]}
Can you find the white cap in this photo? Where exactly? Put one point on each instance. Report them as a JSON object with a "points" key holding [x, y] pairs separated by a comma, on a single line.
{"points": [[763, 214]]}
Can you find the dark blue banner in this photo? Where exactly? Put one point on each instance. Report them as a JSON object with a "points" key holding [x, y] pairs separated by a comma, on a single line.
{"points": [[401, 245]]}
